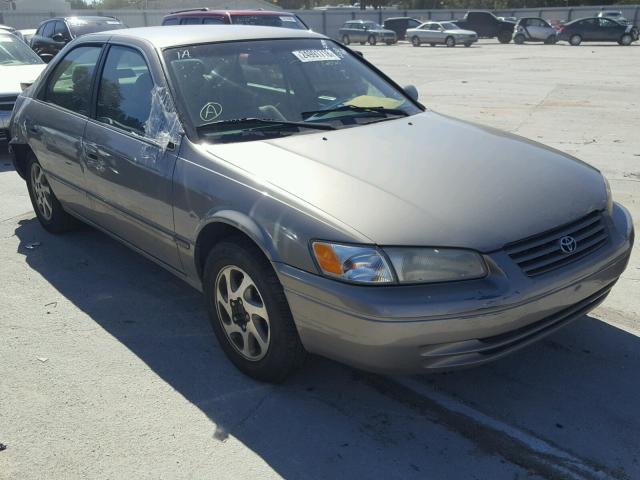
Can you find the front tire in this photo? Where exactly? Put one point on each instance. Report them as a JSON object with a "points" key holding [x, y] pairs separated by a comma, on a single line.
{"points": [[48, 209], [415, 41], [249, 312], [450, 42], [626, 40], [346, 40], [518, 39], [372, 40]]}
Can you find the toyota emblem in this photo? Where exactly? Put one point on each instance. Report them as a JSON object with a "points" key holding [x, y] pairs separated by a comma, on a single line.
{"points": [[568, 244]]}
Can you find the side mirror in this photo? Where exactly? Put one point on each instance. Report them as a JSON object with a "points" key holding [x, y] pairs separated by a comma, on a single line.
{"points": [[412, 92], [58, 37], [46, 57]]}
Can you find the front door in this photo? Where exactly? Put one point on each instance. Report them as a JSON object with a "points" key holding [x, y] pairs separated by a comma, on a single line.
{"points": [[129, 167]]}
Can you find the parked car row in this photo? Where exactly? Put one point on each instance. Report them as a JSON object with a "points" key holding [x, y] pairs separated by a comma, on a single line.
{"points": [[609, 26]]}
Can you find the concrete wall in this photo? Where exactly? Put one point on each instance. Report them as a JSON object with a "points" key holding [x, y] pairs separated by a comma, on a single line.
{"points": [[325, 21]]}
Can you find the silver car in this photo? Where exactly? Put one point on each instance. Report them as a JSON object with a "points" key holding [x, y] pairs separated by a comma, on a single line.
{"points": [[534, 29], [316, 204], [441, 33]]}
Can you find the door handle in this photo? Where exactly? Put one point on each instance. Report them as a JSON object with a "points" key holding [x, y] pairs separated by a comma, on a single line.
{"points": [[92, 155]]}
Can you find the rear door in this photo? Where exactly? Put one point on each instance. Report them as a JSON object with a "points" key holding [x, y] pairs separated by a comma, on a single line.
{"points": [[56, 122], [129, 167]]}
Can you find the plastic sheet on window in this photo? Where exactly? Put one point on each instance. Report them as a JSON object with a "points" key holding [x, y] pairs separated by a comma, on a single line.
{"points": [[163, 125]]}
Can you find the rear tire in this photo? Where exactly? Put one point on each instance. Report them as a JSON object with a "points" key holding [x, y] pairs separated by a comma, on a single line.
{"points": [[280, 350], [49, 211], [518, 39], [450, 42], [505, 36], [467, 44], [575, 40], [372, 40], [415, 41], [626, 40], [346, 40]]}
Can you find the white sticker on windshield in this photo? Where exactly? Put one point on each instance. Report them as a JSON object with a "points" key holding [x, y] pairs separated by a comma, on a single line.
{"points": [[315, 55], [287, 19]]}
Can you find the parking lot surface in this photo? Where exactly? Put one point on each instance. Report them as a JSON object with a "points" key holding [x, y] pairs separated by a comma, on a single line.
{"points": [[109, 369]]}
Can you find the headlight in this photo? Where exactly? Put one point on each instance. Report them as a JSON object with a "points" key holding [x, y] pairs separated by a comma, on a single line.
{"points": [[352, 263], [423, 265], [364, 264], [607, 189]]}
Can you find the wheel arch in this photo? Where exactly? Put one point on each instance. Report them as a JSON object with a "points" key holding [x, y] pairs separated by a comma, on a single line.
{"points": [[225, 224], [20, 153]]}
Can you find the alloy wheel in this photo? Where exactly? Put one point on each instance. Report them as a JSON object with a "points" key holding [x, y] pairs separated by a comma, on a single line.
{"points": [[242, 313], [41, 192]]}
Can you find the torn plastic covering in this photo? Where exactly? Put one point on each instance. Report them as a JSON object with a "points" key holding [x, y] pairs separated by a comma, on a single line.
{"points": [[163, 124]]}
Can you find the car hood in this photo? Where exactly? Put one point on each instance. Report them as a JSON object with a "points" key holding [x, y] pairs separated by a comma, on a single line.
{"points": [[426, 180], [12, 76]]}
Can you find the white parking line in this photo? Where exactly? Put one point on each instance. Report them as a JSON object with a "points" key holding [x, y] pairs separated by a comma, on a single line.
{"points": [[489, 434]]}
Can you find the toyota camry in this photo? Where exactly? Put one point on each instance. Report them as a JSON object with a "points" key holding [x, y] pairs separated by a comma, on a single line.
{"points": [[318, 206]]}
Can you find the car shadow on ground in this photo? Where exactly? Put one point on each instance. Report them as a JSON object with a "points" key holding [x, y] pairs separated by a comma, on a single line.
{"points": [[573, 388]]}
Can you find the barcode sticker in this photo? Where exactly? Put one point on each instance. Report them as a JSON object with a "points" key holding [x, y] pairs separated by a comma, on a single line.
{"points": [[315, 55]]}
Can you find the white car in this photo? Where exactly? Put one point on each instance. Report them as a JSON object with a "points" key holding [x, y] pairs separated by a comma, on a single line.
{"points": [[19, 66], [447, 33]]}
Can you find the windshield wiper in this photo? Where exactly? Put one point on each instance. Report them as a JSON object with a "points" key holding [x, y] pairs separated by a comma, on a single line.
{"points": [[259, 122], [354, 108]]}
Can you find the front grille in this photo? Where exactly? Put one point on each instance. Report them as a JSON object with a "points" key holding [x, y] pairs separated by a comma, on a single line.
{"points": [[4, 135], [7, 102], [542, 253]]}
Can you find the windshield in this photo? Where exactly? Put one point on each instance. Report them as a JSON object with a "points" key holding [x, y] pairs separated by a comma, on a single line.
{"points": [[83, 27], [449, 26], [14, 51], [306, 81], [285, 21]]}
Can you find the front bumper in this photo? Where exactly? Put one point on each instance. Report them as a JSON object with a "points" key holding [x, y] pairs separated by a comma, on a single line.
{"points": [[409, 329]]}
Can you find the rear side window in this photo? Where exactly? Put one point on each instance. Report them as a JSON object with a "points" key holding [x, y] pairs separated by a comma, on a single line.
{"points": [[192, 21], [285, 21], [70, 83], [124, 95], [171, 21]]}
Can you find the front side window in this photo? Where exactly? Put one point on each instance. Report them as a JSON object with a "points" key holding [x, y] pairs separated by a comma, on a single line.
{"points": [[191, 21], [449, 26], [311, 82], [124, 93], [61, 28], [606, 23], [69, 86]]}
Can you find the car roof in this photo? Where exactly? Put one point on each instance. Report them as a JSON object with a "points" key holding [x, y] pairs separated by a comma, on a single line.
{"points": [[86, 18], [204, 13], [173, 36]]}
